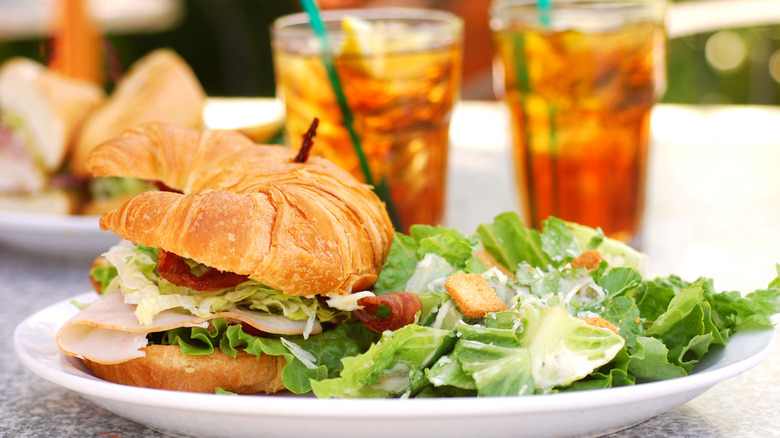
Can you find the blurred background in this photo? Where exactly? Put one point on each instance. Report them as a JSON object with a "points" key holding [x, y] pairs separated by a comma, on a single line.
{"points": [[227, 43]]}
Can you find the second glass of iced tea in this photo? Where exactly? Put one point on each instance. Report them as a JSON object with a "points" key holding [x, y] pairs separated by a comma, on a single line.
{"points": [[400, 73], [580, 80]]}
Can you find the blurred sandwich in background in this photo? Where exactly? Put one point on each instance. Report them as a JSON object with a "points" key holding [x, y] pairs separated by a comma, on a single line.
{"points": [[41, 112]]}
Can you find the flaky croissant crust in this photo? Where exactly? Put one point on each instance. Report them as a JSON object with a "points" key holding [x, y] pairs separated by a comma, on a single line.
{"points": [[303, 228]]}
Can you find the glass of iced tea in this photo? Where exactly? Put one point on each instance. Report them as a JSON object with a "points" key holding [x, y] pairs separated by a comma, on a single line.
{"points": [[400, 73], [580, 78]]}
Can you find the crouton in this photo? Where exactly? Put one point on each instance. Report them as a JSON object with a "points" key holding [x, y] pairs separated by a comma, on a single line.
{"points": [[491, 262], [473, 295], [589, 259], [601, 322]]}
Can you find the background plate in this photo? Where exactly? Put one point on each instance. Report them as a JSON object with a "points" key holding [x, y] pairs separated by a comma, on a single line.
{"points": [[71, 236], [585, 413]]}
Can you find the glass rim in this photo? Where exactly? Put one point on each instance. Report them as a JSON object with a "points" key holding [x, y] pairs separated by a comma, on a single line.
{"points": [[553, 3], [505, 8], [580, 14], [290, 26]]}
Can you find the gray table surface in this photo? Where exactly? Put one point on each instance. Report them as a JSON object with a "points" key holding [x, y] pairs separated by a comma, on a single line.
{"points": [[712, 210]]}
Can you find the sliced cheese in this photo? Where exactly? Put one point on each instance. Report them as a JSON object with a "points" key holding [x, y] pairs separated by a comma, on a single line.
{"points": [[107, 331]]}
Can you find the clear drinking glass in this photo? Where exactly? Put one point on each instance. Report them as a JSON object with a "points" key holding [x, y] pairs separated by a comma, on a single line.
{"points": [[400, 70], [580, 80]]}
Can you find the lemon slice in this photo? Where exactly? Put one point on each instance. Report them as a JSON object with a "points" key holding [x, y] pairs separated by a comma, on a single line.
{"points": [[360, 38], [386, 49], [257, 118]]}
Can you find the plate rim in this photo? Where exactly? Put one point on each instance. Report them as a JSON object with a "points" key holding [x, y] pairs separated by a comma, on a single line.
{"points": [[287, 405], [49, 222]]}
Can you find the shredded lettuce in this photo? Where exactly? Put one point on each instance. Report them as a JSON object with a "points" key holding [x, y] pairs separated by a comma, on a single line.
{"points": [[136, 277], [113, 186]]}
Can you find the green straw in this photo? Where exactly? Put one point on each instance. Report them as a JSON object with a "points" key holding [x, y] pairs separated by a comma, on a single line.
{"points": [[311, 9]]}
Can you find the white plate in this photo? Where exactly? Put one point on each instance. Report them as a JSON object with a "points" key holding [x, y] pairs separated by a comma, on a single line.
{"points": [[586, 413], [72, 236]]}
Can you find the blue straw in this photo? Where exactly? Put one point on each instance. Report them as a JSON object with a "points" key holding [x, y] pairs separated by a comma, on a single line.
{"points": [[545, 7]]}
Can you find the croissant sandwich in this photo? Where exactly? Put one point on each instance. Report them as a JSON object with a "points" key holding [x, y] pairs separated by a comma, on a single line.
{"points": [[158, 87], [242, 241]]}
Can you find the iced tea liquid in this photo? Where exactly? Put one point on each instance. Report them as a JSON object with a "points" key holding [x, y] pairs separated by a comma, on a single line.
{"points": [[401, 103], [580, 107]]}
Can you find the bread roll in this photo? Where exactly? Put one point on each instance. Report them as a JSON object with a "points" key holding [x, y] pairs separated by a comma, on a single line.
{"points": [[303, 228], [160, 87], [166, 367]]}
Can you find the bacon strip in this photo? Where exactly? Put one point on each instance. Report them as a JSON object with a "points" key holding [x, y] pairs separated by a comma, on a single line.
{"points": [[308, 142], [403, 307], [173, 268]]}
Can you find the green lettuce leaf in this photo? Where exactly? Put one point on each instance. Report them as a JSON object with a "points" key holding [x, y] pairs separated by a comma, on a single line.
{"points": [[496, 370], [449, 244], [399, 265], [751, 312], [314, 358], [623, 313], [650, 361], [564, 348], [103, 274], [613, 374], [653, 298], [558, 242], [448, 372], [687, 327], [510, 242], [388, 367]]}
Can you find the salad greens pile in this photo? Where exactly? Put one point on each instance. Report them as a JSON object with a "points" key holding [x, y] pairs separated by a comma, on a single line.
{"points": [[541, 343]]}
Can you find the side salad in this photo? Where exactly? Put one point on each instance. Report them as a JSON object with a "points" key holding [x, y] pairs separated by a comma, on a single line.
{"points": [[545, 341]]}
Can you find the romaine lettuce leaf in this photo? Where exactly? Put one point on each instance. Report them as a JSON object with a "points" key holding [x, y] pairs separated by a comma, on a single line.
{"points": [[448, 372], [449, 244], [318, 357], [388, 367], [650, 361], [564, 348], [751, 312], [496, 370], [399, 265], [511, 242], [613, 374], [687, 328], [430, 268]]}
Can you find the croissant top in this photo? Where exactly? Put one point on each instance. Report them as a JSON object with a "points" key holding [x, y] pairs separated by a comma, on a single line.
{"points": [[303, 228]]}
